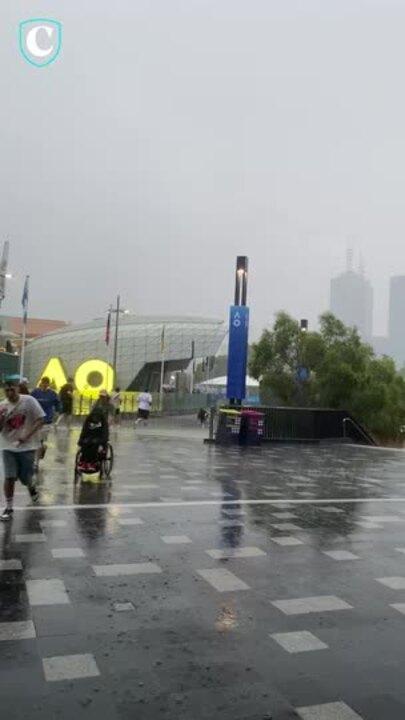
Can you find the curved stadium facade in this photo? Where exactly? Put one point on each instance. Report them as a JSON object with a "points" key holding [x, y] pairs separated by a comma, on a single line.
{"points": [[139, 354]]}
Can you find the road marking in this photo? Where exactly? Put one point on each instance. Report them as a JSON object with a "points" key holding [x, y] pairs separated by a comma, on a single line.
{"points": [[197, 503]]}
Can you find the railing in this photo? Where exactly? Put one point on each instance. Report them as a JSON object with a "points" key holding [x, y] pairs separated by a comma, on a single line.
{"points": [[358, 430]]}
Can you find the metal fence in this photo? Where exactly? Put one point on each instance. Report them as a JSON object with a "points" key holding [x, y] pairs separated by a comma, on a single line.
{"points": [[285, 424], [8, 364], [173, 403], [188, 403], [82, 404]]}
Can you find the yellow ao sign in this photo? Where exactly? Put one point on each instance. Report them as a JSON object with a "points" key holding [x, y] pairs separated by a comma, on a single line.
{"points": [[90, 376]]}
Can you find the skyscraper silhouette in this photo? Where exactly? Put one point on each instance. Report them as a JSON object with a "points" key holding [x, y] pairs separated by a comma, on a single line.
{"points": [[351, 299]]}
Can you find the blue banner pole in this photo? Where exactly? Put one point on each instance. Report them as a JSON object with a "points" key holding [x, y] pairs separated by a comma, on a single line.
{"points": [[237, 353]]}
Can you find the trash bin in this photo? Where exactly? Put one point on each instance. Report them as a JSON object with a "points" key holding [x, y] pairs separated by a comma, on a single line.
{"points": [[251, 427], [228, 428]]}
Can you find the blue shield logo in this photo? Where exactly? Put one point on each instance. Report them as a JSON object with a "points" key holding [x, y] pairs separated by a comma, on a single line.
{"points": [[40, 40]]}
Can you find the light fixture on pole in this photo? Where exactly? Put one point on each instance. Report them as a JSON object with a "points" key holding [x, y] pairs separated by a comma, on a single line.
{"points": [[162, 366], [192, 366], [118, 310]]}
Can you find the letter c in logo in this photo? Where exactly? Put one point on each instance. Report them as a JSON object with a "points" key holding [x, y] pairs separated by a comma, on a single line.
{"points": [[40, 40], [32, 41]]}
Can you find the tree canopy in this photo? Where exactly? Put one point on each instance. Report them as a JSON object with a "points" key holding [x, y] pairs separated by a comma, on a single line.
{"points": [[329, 368]]}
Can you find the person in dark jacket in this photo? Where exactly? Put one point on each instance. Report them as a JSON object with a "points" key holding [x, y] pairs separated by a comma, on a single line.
{"points": [[202, 416], [66, 403], [93, 437]]}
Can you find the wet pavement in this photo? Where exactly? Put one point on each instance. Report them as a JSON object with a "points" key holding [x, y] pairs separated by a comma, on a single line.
{"points": [[206, 582]]}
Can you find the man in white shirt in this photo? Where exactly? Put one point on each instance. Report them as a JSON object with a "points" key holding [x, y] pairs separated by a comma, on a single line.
{"points": [[144, 406], [21, 418]]}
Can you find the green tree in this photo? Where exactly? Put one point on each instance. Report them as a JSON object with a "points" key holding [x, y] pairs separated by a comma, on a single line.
{"points": [[275, 360], [343, 373]]}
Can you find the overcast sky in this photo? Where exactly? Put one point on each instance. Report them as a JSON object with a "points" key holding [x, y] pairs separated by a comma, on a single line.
{"points": [[172, 135]]}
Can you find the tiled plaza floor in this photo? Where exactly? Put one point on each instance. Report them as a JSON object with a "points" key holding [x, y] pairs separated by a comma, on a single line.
{"points": [[206, 583]]}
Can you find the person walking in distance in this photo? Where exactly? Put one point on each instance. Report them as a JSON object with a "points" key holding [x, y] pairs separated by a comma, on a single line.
{"points": [[23, 387], [49, 403], [66, 402], [21, 418], [116, 401], [144, 406], [202, 416]]}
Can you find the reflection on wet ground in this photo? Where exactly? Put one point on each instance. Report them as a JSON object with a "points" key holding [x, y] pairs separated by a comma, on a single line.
{"points": [[207, 582]]}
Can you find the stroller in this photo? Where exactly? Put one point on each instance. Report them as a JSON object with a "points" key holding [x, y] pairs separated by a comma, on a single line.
{"points": [[95, 454]]}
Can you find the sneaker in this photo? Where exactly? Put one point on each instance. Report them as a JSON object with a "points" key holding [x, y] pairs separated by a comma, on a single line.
{"points": [[34, 493], [7, 514]]}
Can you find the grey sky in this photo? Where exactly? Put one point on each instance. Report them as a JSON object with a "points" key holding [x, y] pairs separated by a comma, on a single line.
{"points": [[172, 135]]}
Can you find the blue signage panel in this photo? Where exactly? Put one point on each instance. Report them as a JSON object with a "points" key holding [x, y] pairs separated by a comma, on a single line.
{"points": [[303, 374], [237, 352]]}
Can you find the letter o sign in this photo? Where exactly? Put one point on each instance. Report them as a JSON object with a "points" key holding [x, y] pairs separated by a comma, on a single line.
{"points": [[93, 376]]}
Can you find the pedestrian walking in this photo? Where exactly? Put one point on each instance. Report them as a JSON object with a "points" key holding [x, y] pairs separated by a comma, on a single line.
{"points": [[104, 404], [21, 418], [144, 406], [202, 416], [66, 403], [49, 403], [23, 387], [116, 401]]}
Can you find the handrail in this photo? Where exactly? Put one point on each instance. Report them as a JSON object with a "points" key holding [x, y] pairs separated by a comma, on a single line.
{"points": [[357, 426]]}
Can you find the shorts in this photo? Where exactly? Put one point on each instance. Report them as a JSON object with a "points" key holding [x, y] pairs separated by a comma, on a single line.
{"points": [[19, 465], [117, 411], [143, 414], [67, 408]]}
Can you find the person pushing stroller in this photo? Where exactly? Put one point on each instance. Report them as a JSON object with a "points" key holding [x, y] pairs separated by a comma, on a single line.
{"points": [[93, 440]]}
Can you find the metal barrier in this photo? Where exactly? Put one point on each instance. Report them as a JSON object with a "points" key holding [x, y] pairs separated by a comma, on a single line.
{"points": [[187, 403], [173, 403], [283, 424]]}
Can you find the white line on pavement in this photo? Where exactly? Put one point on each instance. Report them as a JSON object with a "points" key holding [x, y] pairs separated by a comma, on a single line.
{"points": [[195, 503]]}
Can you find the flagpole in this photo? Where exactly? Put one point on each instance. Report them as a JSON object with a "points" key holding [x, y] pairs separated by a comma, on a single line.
{"points": [[24, 330], [162, 368], [107, 342], [22, 355], [117, 321], [192, 367]]}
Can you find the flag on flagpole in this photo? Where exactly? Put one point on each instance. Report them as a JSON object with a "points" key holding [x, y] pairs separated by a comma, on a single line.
{"points": [[108, 328], [24, 299], [162, 340], [24, 303]]}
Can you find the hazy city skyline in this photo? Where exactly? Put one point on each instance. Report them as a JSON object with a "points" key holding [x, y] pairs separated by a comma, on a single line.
{"points": [[170, 137]]}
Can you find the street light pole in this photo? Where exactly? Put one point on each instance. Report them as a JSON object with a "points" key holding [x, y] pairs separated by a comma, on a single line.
{"points": [[117, 322]]}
